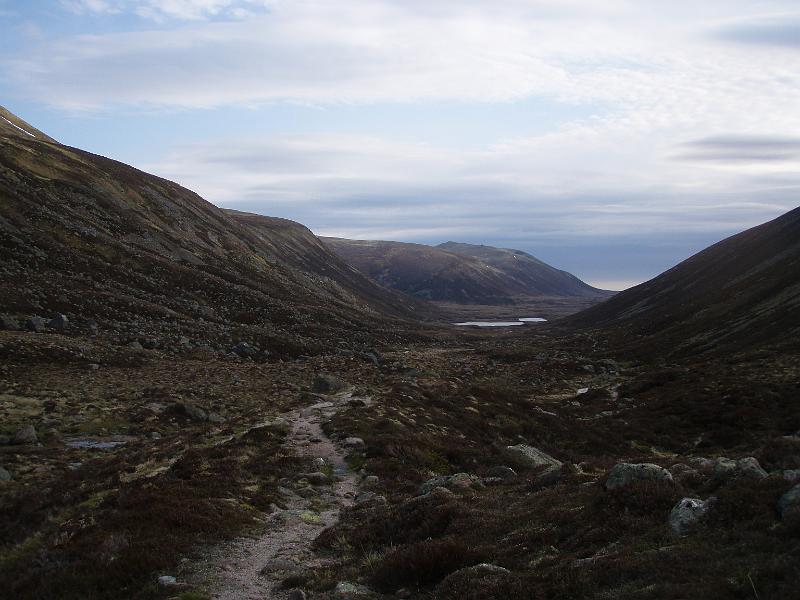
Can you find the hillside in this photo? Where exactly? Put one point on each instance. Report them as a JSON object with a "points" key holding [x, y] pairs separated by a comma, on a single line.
{"points": [[141, 259], [460, 273], [735, 295]]}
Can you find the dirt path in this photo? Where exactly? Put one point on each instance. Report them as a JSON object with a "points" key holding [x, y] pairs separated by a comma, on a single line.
{"points": [[253, 567]]}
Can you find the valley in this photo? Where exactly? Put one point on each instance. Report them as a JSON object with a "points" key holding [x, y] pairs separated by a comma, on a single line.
{"points": [[198, 403]]}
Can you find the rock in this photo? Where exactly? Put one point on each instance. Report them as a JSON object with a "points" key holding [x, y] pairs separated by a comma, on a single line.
{"points": [[277, 565], [26, 435], [686, 513], [531, 458], [354, 442], [135, 345], [92, 326], [459, 481], [167, 581], [244, 350], [296, 595], [35, 324], [319, 463], [281, 425], [469, 577], [373, 357], [685, 474], [370, 481], [792, 475], [749, 467], [4, 475], [624, 474], [351, 591], [789, 503], [502, 472], [215, 418], [370, 498], [195, 413], [8, 323], [317, 478], [59, 322], [327, 384]]}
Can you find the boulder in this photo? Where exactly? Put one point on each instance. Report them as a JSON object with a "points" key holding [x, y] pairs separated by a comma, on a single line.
{"points": [[529, 457], [749, 467], [354, 442], [135, 345], [352, 591], [459, 481], [4, 475], [327, 384], [244, 350], [26, 435], [35, 324], [59, 322], [455, 584], [686, 513], [502, 472], [296, 595], [625, 474], [791, 475], [789, 503]]}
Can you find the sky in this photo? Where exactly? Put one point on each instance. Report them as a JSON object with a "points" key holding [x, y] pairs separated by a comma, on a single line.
{"points": [[610, 138]]}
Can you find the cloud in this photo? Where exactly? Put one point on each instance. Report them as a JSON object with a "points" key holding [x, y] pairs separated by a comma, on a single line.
{"points": [[779, 31], [161, 10], [743, 149]]}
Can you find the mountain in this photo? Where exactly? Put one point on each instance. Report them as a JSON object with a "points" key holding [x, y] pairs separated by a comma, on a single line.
{"points": [[459, 273], [739, 293], [150, 261]]}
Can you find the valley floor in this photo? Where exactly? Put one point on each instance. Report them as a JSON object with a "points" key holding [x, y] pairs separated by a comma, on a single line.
{"points": [[389, 475]]}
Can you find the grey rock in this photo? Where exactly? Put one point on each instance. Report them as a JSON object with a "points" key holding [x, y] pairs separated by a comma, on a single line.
{"points": [[624, 474], [35, 324], [317, 478], [789, 503], [319, 463], [4, 475], [502, 472], [244, 350], [296, 595], [135, 345], [195, 413], [354, 442], [791, 475], [279, 565], [327, 384], [352, 591], [459, 481], [281, 425], [370, 481], [686, 513], [724, 468], [531, 458], [59, 323], [373, 357], [26, 435], [749, 467], [167, 581], [92, 326]]}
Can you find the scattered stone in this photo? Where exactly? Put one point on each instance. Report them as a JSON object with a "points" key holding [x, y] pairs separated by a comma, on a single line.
{"points": [[243, 350], [167, 581], [93, 366], [469, 577], [354, 442], [327, 384], [59, 322], [789, 503], [686, 513], [92, 326], [215, 418], [4, 475], [319, 463], [26, 435], [195, 413], [154, 435], [531, 458], [792, 475], [35, 324], [296, 595], [624, 474], [749, 467], [351, 591], [317, 478], [373, 357], [280, 425], [135, 345], [459, 481]]}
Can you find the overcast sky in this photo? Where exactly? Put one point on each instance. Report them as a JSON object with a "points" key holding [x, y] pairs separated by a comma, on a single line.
{"points": [[611, 138]]}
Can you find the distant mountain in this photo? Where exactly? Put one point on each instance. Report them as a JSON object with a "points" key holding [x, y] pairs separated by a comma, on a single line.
{"points": [[149, 260], [735, 295], [459, 273]]}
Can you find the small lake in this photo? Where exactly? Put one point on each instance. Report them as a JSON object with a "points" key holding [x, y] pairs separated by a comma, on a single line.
{"points": [[520, 321]]}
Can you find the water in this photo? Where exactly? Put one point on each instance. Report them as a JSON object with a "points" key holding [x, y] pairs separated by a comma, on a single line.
{"points": [[518, 322]]}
